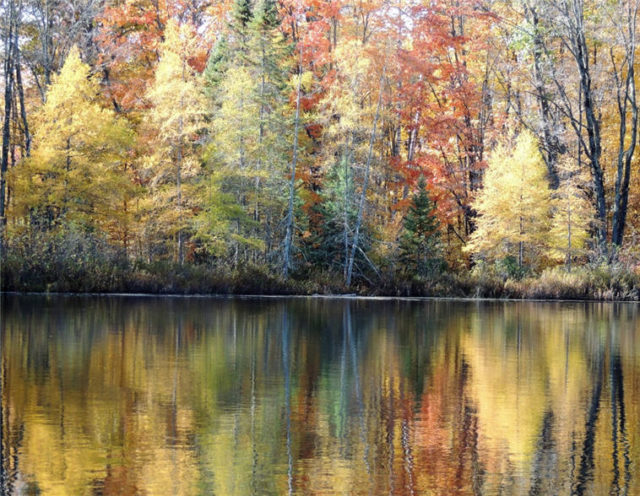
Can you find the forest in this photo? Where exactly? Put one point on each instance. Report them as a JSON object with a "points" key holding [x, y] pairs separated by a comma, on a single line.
{"points": [[400, 147]]}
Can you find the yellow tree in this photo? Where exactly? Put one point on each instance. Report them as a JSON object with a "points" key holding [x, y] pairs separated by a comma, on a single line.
{"points": [[177, 114], [513, 207], [75, 175], [572, 215]]}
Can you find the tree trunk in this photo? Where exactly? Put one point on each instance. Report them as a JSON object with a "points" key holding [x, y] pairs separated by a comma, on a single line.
{"points": [[595, 145], [363, 196], [345, 208], [569, 249], [626, 101], [6, 127], [292, 183], [551, 142], [179, 198], [574, 40], [23, 110]]}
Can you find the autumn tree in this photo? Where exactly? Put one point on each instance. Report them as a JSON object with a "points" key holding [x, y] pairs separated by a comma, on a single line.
{"points": [[513, 206], [74, 176], [446, 107], [251, 124], [177, 118], [572, 214]]}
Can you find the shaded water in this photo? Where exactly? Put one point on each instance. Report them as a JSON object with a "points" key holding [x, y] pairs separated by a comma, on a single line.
{"points": [[157, 396]]}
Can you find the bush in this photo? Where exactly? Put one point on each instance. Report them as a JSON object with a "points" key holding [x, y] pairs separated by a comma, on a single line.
{"points": [[79, 261]]}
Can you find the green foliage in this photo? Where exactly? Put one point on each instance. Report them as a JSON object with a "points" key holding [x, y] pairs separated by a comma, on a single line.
{"points": [[266, 15], [509, 268], [336, 215], [217, 65], [242, 14], [420, 251]]}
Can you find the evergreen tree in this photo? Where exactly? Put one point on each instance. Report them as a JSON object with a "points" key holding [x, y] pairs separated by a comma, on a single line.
{"points": [[242, 14], [420, 251], [266, 14], [329, 245], [216, 67]]}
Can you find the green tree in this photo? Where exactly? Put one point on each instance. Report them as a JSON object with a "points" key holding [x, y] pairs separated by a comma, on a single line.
{"points": [[420, 251], [217, 65], [514, 205]]}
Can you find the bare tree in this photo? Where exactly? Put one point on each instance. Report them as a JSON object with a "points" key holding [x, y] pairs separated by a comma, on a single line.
{"points": [[367, 171], [624, 77], [552, 145]]}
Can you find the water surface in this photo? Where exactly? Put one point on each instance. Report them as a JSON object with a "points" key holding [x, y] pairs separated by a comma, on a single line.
{"points": [[160, 396]]}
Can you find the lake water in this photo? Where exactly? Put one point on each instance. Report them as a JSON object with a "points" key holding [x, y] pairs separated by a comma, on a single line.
{"points": [[161, 396]]}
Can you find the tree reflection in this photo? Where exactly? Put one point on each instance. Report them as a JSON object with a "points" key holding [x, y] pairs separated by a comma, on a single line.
{"points": [[316, 396]]}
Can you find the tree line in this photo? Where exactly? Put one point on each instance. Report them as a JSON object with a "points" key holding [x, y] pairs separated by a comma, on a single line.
{"points": [[366, 140]]}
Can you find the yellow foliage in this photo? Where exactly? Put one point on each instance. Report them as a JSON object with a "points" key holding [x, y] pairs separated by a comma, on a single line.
{"points": [[176, 118], [76, 172], [572, 214], [514, 205]]}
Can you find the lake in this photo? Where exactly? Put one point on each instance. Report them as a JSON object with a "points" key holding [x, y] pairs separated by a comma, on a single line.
{"points": [[158, 396]]}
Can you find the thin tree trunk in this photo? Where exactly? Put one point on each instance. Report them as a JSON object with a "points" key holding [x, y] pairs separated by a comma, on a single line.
{"points": [[626, 100], [569, 248], [23, 110], [575, 41], [6, 128], [292, 183], [179, 152], [179, 198], [363, 196], [345, 208]]}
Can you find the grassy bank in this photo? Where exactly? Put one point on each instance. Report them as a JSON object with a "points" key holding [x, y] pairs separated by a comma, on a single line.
{"points": [[97, 271]]}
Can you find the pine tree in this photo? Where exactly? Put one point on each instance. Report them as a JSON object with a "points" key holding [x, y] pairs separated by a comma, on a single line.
{"points": [[216, 67], [242, 14], [329, 246], [420, 251]]}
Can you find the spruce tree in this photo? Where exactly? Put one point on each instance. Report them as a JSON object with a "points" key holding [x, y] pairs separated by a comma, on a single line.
{"points": [[242, 14], [420, 251], [216, 68]]}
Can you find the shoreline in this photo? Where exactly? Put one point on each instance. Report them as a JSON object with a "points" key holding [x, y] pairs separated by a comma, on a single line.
{"points": [[239, 296]]}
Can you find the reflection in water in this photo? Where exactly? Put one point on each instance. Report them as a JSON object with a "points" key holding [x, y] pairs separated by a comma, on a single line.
{"points": [[114, 395]]}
